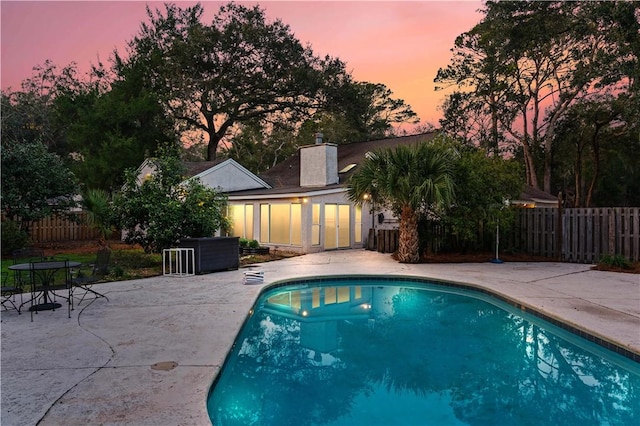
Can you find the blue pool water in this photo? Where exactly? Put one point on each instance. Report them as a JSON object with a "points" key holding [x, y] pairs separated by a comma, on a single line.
{"points": [[380, 352]]}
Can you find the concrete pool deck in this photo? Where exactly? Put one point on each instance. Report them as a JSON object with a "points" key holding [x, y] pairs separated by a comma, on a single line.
{"points": [[149, 354]]}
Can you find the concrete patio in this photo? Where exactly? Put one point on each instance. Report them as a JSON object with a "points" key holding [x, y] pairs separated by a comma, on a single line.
{"points": [[149, 354]]}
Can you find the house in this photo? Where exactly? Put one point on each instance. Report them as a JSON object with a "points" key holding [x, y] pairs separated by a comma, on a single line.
{"points": [[535, 198], [304, 205], [222, 175], [301, 204]]}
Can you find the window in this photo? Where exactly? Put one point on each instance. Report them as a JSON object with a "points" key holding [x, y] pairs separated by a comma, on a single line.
{"points": [[315, 225], [358, 225], [330, 295], [348, 168], [241, 216], [281, 224], [333, 295], [264, 223]]}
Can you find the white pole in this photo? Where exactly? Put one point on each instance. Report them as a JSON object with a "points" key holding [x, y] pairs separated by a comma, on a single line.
{"points": [[497, 259]]}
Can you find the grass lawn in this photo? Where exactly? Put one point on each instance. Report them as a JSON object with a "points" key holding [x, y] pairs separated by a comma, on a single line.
{"points": [[126, 262]]}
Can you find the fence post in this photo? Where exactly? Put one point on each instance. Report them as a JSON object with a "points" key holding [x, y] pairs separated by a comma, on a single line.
{"points": [[559, 248], [612, 232]]}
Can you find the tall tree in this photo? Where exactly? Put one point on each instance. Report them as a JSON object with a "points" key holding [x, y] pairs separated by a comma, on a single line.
{"points": [[370, 109], [35, 183], [411, 181], [29, 114], [237, 69], [98, 126], [530, 61], [258, 148], [360, 111], [113, 130]]}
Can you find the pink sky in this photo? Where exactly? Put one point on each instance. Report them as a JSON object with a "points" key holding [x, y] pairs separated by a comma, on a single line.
{"points": [[400, 44]]}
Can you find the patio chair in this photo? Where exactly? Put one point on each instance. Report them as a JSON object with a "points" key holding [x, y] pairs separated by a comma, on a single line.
{"points": [[99, 269], [9, 292], [22, 278]]}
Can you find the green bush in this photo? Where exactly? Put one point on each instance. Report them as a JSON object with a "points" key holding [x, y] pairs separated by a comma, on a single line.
{"points": [[13, 238], [254, 244], [616, 260], [243, 242], [165, 208]]}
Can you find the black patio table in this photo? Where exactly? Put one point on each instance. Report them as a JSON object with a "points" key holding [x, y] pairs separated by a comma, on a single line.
{"points": [[45, 270]]}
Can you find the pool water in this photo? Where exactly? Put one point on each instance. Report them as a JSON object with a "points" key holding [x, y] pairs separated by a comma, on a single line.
{"points": [[371, 352]]}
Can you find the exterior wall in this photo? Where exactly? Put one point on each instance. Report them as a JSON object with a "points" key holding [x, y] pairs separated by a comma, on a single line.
{"points": [[227, 177], [307, 203], [387, 220]]}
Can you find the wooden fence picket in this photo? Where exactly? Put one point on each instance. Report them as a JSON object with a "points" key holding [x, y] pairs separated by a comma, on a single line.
{"points": [[55, 228], [587, 233]]}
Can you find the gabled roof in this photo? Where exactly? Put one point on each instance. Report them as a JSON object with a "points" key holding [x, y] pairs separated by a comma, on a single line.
{"points": [[194, 168], [285, 176], [225, 175], [532, 197]]}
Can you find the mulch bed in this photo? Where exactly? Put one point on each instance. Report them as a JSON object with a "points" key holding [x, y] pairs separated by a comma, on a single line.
{"points": [[514, 257], [482, 257], [81, 247]]}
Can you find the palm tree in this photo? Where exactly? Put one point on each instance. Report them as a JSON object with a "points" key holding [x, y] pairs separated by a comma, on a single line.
{"points": [[409, 180], [96, 203]]}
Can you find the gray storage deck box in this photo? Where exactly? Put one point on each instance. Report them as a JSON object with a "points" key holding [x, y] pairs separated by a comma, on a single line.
{"points": [[214, 253]]}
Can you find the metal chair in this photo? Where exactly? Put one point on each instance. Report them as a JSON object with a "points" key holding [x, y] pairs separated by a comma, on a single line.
{"points": [[9, 293], [26, 255], [99, 269]]}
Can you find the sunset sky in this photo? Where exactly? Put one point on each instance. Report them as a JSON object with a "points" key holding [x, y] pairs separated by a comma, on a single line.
{"points": [[400, 44]]}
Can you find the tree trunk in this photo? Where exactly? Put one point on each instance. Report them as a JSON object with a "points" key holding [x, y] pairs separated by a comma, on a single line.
{"points": [[596, 163], [578, 177], [409, 244], [530, 168], [212, 148]]}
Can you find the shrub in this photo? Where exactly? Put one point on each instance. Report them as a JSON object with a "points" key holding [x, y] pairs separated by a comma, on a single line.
{"points": [[253, 244], [165, 208], [616, 260], [243, 242], [13, 238]]}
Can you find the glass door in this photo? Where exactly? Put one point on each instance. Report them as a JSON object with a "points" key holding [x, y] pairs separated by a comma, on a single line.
{"points": [[337, 228]]}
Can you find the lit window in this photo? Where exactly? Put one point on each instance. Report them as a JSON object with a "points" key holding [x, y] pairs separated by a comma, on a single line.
{"points": [[241, 217], [348, 168], [281, 224]]}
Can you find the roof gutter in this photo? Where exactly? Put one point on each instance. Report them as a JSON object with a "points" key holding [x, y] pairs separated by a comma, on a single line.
{"points": [[286, 194]]}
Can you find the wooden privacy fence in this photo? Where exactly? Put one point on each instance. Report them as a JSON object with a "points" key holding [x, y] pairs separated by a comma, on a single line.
{"points": [[52, 229], [583, 234], [383, 240]]}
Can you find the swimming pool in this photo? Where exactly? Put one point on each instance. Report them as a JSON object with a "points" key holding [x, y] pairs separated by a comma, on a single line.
{"points": [[371, 351]]}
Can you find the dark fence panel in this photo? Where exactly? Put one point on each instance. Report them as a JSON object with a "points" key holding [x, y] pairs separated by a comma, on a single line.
{"points": [[585, 234]]}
